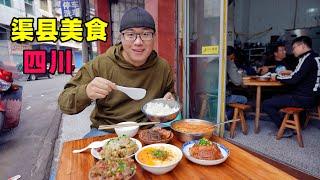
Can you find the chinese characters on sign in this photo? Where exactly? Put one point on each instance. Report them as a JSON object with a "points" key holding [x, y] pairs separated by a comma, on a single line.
{"points": [[70, 8], [210, 50]]}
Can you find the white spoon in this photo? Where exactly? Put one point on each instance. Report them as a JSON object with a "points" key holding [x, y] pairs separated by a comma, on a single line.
{"points": [[15, 177], [95, 144], [133, 93]]}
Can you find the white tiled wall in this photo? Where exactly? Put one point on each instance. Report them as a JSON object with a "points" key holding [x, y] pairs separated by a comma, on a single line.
{"points": [[254, 16]]}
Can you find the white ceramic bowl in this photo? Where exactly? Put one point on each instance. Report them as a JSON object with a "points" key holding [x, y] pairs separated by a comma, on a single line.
{"points": [[129, 131], [161, 169], [162, 118]]}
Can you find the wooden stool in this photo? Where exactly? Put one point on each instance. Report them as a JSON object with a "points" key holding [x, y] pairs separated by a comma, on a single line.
{"points": [[239, 114], [291, 123], [312, 114], [205, 106]]}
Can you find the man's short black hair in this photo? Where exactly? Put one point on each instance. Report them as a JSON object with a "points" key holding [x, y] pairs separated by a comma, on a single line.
{"points": [[303, 39], [230, 50], [276, 46]]}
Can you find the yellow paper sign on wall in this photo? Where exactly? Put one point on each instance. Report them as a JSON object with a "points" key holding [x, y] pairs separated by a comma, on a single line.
{"points": [[210, 50]]}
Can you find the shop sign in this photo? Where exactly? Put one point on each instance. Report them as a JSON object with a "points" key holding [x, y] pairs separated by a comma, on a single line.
{"points": [[70, 8], [210, 50]]}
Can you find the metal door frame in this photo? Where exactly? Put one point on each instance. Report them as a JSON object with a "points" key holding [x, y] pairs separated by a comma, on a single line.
{"points": [[221, 57]]}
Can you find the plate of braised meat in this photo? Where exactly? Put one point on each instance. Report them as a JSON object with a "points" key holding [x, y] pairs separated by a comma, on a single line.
{"points": [[155, 135], [205, 152]]}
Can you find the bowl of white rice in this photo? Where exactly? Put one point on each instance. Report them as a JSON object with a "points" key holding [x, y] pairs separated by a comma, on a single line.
{"points": [[161, 110]]}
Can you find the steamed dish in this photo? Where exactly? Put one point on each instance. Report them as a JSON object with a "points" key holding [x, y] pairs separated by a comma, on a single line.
{"points": [[205, 150], [157, 156], [113, 169], [160, 109], [119, 147]]}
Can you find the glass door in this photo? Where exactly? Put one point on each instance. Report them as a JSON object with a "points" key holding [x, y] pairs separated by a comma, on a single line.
{"points": [[204, 59]]}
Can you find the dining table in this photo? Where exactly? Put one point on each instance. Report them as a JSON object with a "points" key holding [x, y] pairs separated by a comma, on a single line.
{"points": [[239, 165], [255, 81]]}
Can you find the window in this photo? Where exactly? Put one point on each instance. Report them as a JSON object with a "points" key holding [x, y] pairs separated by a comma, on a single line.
{"points": [[117, 10], [28, 4], [3, 34], [6, 2], [44, 5]]}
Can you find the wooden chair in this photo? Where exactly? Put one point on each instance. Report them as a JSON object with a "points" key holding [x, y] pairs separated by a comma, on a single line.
{"points": [[204, 104], [239, 114], [291, 123]]}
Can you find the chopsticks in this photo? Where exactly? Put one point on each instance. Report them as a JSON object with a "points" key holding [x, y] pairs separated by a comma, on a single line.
{"points": [[226, 122], [105, 127]]}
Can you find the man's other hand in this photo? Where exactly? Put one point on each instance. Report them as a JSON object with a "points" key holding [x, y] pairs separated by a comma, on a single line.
{"points": [[285, 72], [99, 88], [168, 96], [263, 70]]}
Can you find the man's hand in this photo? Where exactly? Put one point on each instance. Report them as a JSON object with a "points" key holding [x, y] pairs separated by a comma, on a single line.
{"points": [[168, 96], [263, 70], [99, 88], [285, 72]]}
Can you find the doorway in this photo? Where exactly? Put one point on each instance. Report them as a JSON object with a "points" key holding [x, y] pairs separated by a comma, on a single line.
{"points": [[204, 59]]}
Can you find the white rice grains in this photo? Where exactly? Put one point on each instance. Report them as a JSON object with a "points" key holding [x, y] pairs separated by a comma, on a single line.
{"points": [[159, 109]]}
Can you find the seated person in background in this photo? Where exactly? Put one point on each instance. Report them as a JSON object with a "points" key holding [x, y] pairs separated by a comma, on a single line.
{"points": [[304, 81], [242, 64], [132, 63], [277, 62], [234, 78]]}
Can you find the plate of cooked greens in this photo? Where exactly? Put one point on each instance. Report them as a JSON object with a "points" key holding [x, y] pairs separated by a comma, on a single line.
{"points": [[117, 148]]}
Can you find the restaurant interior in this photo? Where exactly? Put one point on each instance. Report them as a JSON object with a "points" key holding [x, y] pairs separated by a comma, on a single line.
{"points": [[255, 28]]}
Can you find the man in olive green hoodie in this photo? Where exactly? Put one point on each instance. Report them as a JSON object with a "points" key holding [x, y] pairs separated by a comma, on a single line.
{"points": [[132, 63]]}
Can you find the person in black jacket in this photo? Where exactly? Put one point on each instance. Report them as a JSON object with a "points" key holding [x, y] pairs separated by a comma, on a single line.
{"points": [[277, 61], [305, 82]]}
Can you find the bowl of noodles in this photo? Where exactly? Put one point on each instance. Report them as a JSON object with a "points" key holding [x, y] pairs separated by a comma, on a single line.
{"points": [[192, 129]]}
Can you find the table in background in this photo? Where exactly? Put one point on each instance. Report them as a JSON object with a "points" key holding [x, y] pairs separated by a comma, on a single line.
{"points": [[249, 81]]}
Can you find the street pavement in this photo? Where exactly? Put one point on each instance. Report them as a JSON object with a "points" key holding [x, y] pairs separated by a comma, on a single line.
{"points": [[28, 149], [72, 127]]}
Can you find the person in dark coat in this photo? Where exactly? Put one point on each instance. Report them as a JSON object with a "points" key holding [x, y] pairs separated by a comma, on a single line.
{"points": [[304, 82]]}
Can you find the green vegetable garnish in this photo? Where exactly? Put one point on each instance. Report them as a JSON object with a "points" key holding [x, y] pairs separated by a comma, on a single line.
{"points": [[121, 166], [204, 142], [123, 136], [132, 169], [160, 154]]}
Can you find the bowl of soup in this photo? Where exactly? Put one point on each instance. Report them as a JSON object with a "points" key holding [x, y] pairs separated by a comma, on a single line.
{"points": [[159, 158], [192, 129]]}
